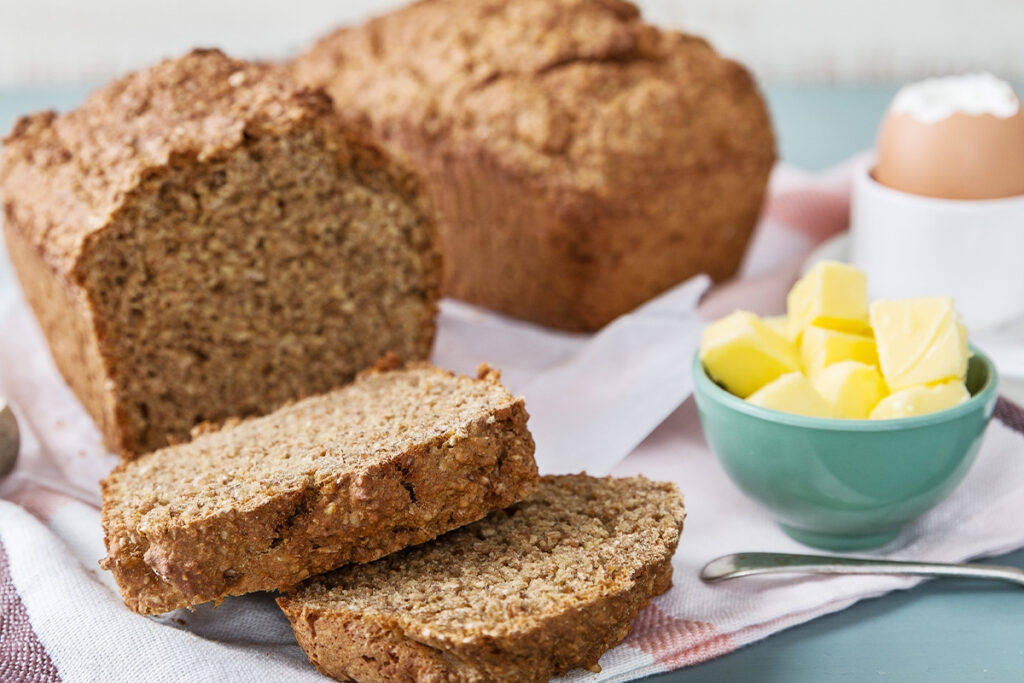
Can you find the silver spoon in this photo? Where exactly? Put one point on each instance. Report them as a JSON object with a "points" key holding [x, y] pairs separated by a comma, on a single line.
{"points": [[752, 564], [9, 439]]}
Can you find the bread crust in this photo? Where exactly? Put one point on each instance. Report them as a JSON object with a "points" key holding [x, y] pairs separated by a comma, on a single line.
{"points": [[372, 646], [581, 160], [66, 322], [314, 523]]}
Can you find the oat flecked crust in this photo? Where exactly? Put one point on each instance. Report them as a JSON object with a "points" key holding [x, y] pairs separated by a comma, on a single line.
{"points": [[392, 460], [533, 591], [581, 160]]}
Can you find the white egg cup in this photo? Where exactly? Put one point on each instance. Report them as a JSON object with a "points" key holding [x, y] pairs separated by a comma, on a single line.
{"points": [[910, 245]]}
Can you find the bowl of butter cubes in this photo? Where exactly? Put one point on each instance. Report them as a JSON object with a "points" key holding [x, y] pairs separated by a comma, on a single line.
{"points": [[844, 418]]}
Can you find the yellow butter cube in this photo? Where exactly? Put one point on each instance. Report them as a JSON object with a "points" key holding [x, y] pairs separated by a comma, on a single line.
{"points": [[832, 295], [852, 389], [921, 400], [821, 347], [791, 393], [920, 341], [779, 324], [742, 354]]}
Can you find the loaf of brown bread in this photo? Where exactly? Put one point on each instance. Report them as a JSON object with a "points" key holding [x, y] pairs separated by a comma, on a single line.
{"points": [[533, 591], [394, 459], [202, 239], [581, 160]]}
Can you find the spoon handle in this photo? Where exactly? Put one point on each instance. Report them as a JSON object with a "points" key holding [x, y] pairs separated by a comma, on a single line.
{"points": [[752, 564]]}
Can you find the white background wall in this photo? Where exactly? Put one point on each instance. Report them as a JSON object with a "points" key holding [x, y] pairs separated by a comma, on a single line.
{"points": [[797, 41]]}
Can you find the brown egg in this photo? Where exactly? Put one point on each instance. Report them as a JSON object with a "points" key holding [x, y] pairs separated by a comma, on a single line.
{"points": [[962, 155]]}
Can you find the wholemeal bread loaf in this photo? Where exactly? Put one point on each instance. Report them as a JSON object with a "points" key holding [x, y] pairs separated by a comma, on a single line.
{"points": [[581, 160], [394, 459], [533, 591], [203, 239]]}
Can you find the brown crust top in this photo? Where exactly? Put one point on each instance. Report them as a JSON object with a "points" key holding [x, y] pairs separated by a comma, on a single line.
{"points": [[85, 163], [393, 459], [545, 586], [549, 89]]}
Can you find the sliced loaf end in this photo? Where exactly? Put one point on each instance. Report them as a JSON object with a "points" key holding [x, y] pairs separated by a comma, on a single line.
{"points": [[203, 239]]}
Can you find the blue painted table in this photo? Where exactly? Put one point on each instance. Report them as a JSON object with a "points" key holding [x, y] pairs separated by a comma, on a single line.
{"points": [[939, 631]]}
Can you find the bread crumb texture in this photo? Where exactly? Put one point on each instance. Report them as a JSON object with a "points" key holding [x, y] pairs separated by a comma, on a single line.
{"points": [[529, 592], [204, 239], [393, 459], [581, 159]]}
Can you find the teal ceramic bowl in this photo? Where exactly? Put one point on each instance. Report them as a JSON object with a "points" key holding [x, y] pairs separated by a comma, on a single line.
{"points": [[845, 484]]}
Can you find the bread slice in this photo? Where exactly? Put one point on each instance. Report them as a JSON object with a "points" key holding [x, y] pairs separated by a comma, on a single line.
{"points": [[394, 459], [533, 591], [203, 239]]}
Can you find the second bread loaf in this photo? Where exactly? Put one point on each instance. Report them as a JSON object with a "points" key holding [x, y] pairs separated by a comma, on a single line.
{"points": [[581, 160]]}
